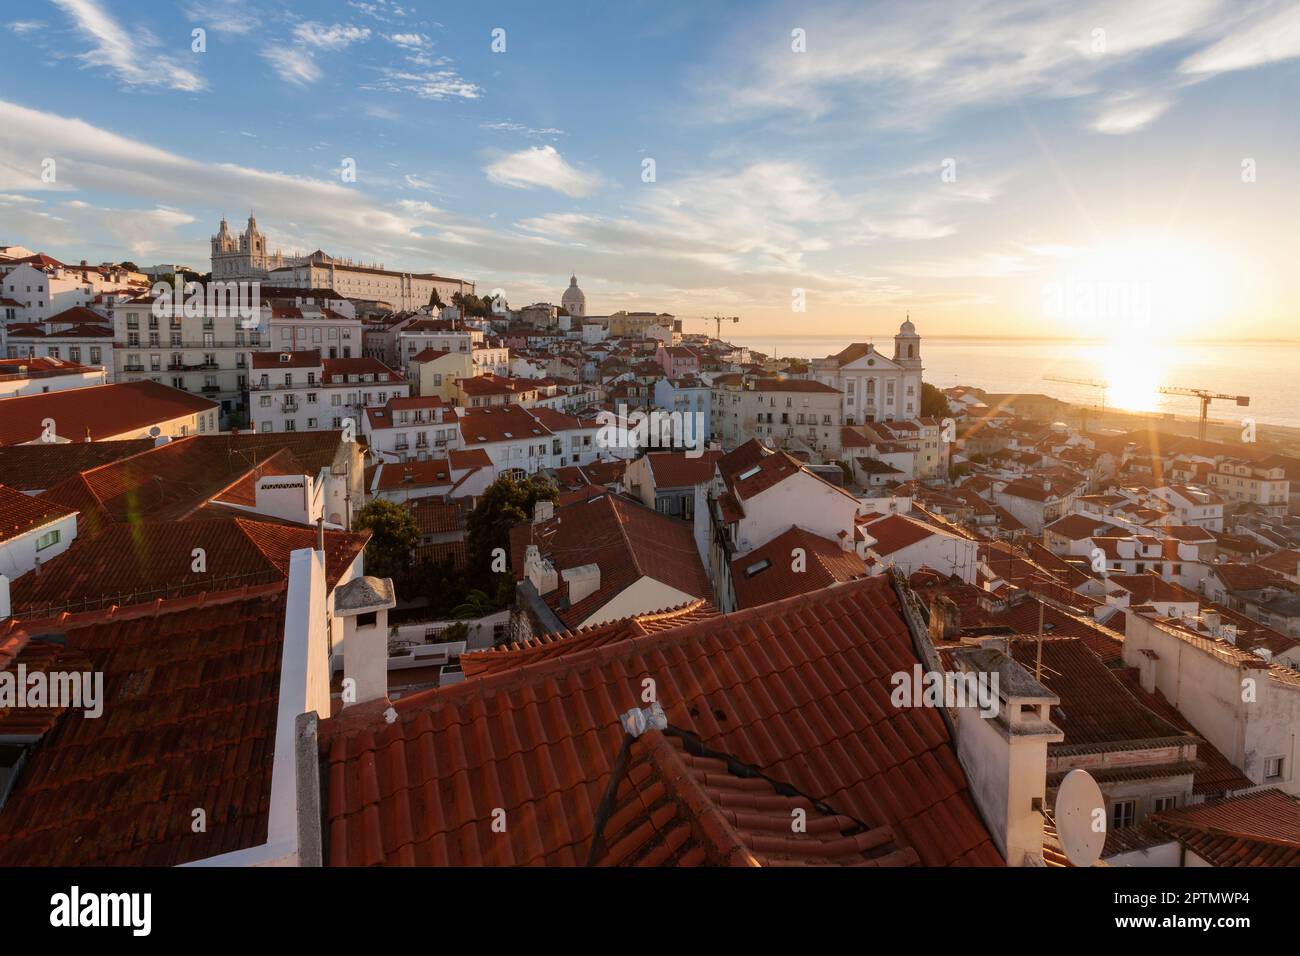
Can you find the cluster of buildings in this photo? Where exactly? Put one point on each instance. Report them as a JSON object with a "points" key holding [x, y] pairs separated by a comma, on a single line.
{"points": [[742, 562]]}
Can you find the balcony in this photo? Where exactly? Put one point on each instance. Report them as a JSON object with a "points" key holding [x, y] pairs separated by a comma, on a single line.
{"points": [[289, 407]]}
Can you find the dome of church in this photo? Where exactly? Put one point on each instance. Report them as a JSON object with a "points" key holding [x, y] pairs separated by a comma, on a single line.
{"points": [[573, 300], [907, 328]]}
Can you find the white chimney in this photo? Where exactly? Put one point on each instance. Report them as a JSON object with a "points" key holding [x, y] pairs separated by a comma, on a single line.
{"points": [[1004, 754], [543, 511], [362, 604], [5, 606], [583, 581], [539, 571]]}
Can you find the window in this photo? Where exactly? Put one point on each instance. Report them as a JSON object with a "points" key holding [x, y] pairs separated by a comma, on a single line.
{"points": [[47, 539], [1161, 804], [1273, 768], [266, 426], [1122, 814]]}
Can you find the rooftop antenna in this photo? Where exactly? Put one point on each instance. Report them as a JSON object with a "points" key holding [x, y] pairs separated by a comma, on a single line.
{"points": [[1079, 808]]}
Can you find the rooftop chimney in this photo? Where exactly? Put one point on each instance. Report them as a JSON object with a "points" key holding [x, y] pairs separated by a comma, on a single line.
{"points": [[1004, 754], [583, 581]]}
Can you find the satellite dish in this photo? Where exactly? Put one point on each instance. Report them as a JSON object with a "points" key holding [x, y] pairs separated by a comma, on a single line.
{"points": [[1077, 804]]}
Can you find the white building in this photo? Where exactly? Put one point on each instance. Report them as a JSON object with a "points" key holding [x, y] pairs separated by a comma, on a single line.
{"points": [[411, 428], [876, 388], [207, 353], [574, 299], [34, 530], [300, 391]]}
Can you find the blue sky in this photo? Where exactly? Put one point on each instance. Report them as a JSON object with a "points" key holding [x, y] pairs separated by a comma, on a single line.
{"points": [[1095, 143]]}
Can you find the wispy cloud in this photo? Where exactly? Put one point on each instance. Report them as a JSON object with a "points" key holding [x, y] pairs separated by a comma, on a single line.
{"points": [[131, 56], [235, 17], [530, 131], [542, 166], [294, 64], [445, 84], [1271, 35], [1129, 112], [908, 64], [335, 37], [21, 27]]}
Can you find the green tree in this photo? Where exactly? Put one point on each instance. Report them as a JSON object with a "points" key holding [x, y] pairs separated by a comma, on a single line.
{"points": [[435, 300], [476, 604], [394, 534], [503, 505], [934, 403]]}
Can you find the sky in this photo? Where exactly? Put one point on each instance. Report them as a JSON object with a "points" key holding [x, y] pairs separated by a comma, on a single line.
{"points": [[1099, 169]]}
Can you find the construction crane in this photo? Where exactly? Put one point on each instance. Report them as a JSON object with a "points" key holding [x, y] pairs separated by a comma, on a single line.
{"points": [[1091, 383], [1206, 397], [717, 321]]}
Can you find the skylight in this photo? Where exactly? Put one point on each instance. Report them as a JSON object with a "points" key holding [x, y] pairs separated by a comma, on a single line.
{"points": [[749, 473], [757, 566]]}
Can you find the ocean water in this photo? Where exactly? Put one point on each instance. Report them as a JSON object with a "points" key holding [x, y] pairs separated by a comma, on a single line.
{"points": [[1267, 372]]}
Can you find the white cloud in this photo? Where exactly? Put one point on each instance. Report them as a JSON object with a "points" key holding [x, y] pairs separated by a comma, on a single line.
{"points": [[1272, 36], [224, 16], [542, 166], [131, 56], [21, 27], [427, 84], [408, 41], [907, 64], [336, 37], [530, 131], [294, 64], [1129, 112]]}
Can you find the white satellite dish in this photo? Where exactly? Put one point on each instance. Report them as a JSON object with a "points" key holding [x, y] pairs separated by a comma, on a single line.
{"points": [[1081, 818]]}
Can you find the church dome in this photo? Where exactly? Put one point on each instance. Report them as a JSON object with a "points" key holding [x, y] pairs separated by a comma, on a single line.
{"points": [[907, 328], [573, 300]]}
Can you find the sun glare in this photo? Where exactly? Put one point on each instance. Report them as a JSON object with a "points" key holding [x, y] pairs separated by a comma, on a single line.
{"points": [[1141, 289]]}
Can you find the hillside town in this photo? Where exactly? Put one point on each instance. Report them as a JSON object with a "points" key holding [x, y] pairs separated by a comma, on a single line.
{"points": [[367, 567]]}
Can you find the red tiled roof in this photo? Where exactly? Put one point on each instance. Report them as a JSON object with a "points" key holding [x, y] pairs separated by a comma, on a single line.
{"points": [[167, 482], [302, 358], [97, 411], [1239, 577], [469, 458], [774, 575], [192, 690], [508, 657], [337, 370], [677, 804], [503, 423], [674, 469], [895, 532], [1096, 708], [625, 539], [128, 564], [1258, 829], [799, 690], [20, 513]]}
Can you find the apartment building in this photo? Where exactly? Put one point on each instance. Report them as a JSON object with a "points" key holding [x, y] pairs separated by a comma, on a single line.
{"points": [[301, 391]]}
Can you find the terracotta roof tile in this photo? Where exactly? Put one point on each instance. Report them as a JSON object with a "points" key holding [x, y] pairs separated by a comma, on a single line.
{"points": [[99, 411], [20, 513], [1258, 829], [768, 573], [798, 690], [192, 694]]}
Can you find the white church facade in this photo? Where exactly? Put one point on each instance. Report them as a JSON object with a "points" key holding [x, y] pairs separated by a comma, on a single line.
{"points": [[245, 258], [874, 387]]}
